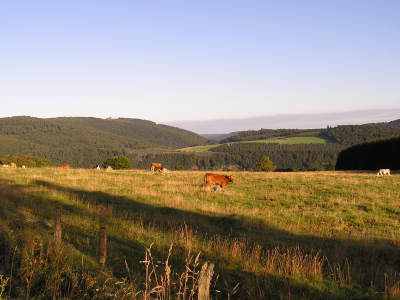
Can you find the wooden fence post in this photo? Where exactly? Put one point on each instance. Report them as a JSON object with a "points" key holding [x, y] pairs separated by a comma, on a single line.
{"points": [[57, 228], [7, 252], [206, 274], [103, 247]]}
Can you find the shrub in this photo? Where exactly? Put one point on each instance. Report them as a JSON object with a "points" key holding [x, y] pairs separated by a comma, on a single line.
{"points": [[265, 165], [118, 163]]}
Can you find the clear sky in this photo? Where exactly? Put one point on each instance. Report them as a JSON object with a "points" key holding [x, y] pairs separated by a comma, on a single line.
{"points": [[197, 60]]}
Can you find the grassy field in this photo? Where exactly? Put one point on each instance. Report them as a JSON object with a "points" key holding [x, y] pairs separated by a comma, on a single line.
{"points": [[293, 140], [199, 148], [311, 235], [289, 141]]}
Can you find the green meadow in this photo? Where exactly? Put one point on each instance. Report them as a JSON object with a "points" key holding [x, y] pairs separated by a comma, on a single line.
{"points": [[288, 141], [293, 140], [298, 235]]}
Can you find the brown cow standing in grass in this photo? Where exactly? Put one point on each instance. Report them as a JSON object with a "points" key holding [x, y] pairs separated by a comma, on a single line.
{"points": [[64, 166], [217, 179], [156, 167]]}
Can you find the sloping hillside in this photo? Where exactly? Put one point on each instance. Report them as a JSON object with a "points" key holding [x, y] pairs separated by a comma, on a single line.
{"points": [[395, 123], [83, 142], [356, 134], [343, 134], [142, 130]]}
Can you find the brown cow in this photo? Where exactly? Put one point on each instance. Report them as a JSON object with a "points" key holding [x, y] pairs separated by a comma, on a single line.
{"points": [[157, 167], [221, 180], [64, 166]]}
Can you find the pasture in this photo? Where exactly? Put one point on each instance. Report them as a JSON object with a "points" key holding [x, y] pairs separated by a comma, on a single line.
{"points": [[300, 235], [293, 140], [286, 140]]}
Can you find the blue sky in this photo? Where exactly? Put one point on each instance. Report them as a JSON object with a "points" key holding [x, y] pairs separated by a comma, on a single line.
{"points": [[197, 60]]}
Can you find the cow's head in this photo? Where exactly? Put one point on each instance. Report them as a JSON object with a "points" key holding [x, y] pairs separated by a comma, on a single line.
{"points": [[230, 178]]}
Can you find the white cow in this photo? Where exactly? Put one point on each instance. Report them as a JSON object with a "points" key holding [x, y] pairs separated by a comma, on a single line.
{"points": [[383, 172]]}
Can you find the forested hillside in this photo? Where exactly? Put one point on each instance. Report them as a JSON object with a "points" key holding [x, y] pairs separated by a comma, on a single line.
{"points": [[141, 130], [343, 134], [83, 142], [395, 123], [285, 157], [356, 134], [245, 156]]}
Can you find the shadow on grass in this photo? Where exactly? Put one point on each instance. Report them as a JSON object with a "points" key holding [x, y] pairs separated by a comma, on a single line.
{"points": [[369, 262]]}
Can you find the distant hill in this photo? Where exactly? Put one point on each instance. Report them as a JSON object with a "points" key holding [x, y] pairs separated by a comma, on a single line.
{"points": [[141, 130], [299, 121], [395, 123], [83, 142], [356, 134], [344, 134]]}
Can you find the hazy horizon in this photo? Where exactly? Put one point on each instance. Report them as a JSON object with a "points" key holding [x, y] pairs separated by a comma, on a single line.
{"points": [[293, 121]]}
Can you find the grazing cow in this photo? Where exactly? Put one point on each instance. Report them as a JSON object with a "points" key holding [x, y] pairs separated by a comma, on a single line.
{"points": [[13, 165], [64, 166], [217, 179], [156, 167], [97, 167], [383, 172], [23, 167]]}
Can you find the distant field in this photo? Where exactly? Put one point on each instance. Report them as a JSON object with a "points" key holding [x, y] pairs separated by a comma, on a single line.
{"points": [[309, 235], [290, 141], [293, 140], [199, 148]]}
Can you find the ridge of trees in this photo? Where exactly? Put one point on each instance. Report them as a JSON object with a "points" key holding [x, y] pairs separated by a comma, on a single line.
{"points": [[356, 134], [342, 134]]}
